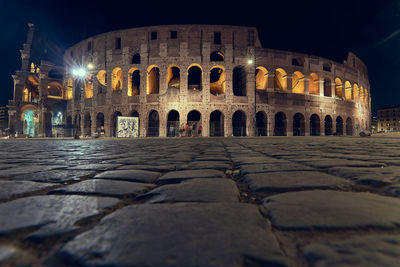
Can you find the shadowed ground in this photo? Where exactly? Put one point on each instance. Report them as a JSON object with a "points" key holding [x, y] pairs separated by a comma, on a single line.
{"points": [[280, 201]]}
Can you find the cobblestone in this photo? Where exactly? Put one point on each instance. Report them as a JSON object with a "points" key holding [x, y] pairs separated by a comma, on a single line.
{"points": [[284, 201]]}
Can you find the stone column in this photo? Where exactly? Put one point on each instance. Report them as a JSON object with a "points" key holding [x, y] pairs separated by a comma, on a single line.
{"points": [[289, 125], [228, 124], [206, 84], [205, 124], [333, 89], [306, 85], [306, 124], [93, 122], [271, 86], [321, 87], [271, 125], [322, 126], [289, 83]]}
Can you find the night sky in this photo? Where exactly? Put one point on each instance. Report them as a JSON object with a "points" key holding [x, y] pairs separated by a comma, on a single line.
{"points": [[370, 29]]}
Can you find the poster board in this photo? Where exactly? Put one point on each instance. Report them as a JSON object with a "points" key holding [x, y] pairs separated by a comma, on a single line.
{"points": [[127, 127]]}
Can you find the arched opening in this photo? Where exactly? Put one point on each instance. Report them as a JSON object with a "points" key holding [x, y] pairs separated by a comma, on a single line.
{"points": [[298, 82], [216, 56], [217, 81], [216, 123], [327, 87], [297, 62], [338, 88], [328, 124], [361, 95], [133, 82], [101, 77], [195, 75], [313, 85], [136, 59], [356, 92], [30, 119], [77, 126], [326, 67], [173, 123], [261, 122], [114, 126], [280, 124], [100, 123], [55, 89], [239, 123], [299, 128], [239, 81], [69, 126], [153, 80], [339, 126], [87, 125], [349, 127], [69, 89], [89, 87], [173, 77], [261, 78], [315, 125], [280, 80], [194, 121], [347, 90], [136, 115], [153, 128], [116, 79], [31, 89]]}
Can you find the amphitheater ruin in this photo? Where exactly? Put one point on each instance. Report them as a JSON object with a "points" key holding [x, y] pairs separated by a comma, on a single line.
{"points": [[217, 80]]}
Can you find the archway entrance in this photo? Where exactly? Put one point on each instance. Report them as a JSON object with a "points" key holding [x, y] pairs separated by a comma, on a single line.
{"points": [[328, 125], [261, 122], [30, 120], [153, 129], [298, 125], [280, 124], [349, 127], [87, 128], [314, 125], [173, 123], [194, 121], [339, 126], [100, 123], [216, 123], [239, 123]]}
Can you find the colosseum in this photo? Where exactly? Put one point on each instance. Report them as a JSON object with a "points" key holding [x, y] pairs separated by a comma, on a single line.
{"points": [[216, 80]]}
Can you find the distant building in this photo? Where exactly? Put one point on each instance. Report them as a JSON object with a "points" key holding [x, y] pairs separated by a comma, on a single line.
{"points": [[374, 124], [388, 119], [3, 119]]}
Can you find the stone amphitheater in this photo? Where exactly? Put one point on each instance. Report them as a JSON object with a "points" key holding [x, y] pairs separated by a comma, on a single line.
{"points": [[216, 80]]}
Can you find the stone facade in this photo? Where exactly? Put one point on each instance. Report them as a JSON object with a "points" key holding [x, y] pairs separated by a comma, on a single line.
{"points": [[219, 77], [388, 119]]}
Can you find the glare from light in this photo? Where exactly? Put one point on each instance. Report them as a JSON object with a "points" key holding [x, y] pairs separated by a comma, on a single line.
{"points": [[90, 66], [79, 73], [250, 61]]}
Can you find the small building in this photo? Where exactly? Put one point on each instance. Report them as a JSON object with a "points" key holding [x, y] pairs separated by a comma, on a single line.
{"points": [[3, 119], [388, 119]]}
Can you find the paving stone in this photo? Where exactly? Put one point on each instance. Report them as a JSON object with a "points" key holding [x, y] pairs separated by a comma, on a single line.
{"points": [[370, 250], [156, 168], [104, 187], [369, 176], [195, 190], [321, 209], [257, 160], [328, 163], [130, 175], [216, 165], [12, 188], [54, 176], [53, 215], [273, 167], [182, 234], [281, 181], [28, 170], [176, 176], [96, 167]]}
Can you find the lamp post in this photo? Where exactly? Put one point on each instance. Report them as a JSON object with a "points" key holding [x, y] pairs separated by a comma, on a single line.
{"points": [[79, 73]]}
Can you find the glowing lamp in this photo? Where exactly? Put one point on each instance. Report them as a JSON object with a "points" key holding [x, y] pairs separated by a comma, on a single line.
{"points": [[90, 66], [79, 72], [250, 61]]}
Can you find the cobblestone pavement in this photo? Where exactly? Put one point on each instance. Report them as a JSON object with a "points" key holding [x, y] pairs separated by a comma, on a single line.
{"points": [[307, 201]]}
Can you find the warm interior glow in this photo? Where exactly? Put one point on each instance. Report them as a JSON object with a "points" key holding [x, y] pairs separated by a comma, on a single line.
{"points": [[116, 79], [101, 77], [261, 78], [153, 80], [280, 80], [217, 80], [347, 88], [338, 88], [355, 92], [298, 82]]}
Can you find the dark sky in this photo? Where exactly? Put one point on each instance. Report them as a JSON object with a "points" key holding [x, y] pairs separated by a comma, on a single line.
{"points": [[370, 29]]}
